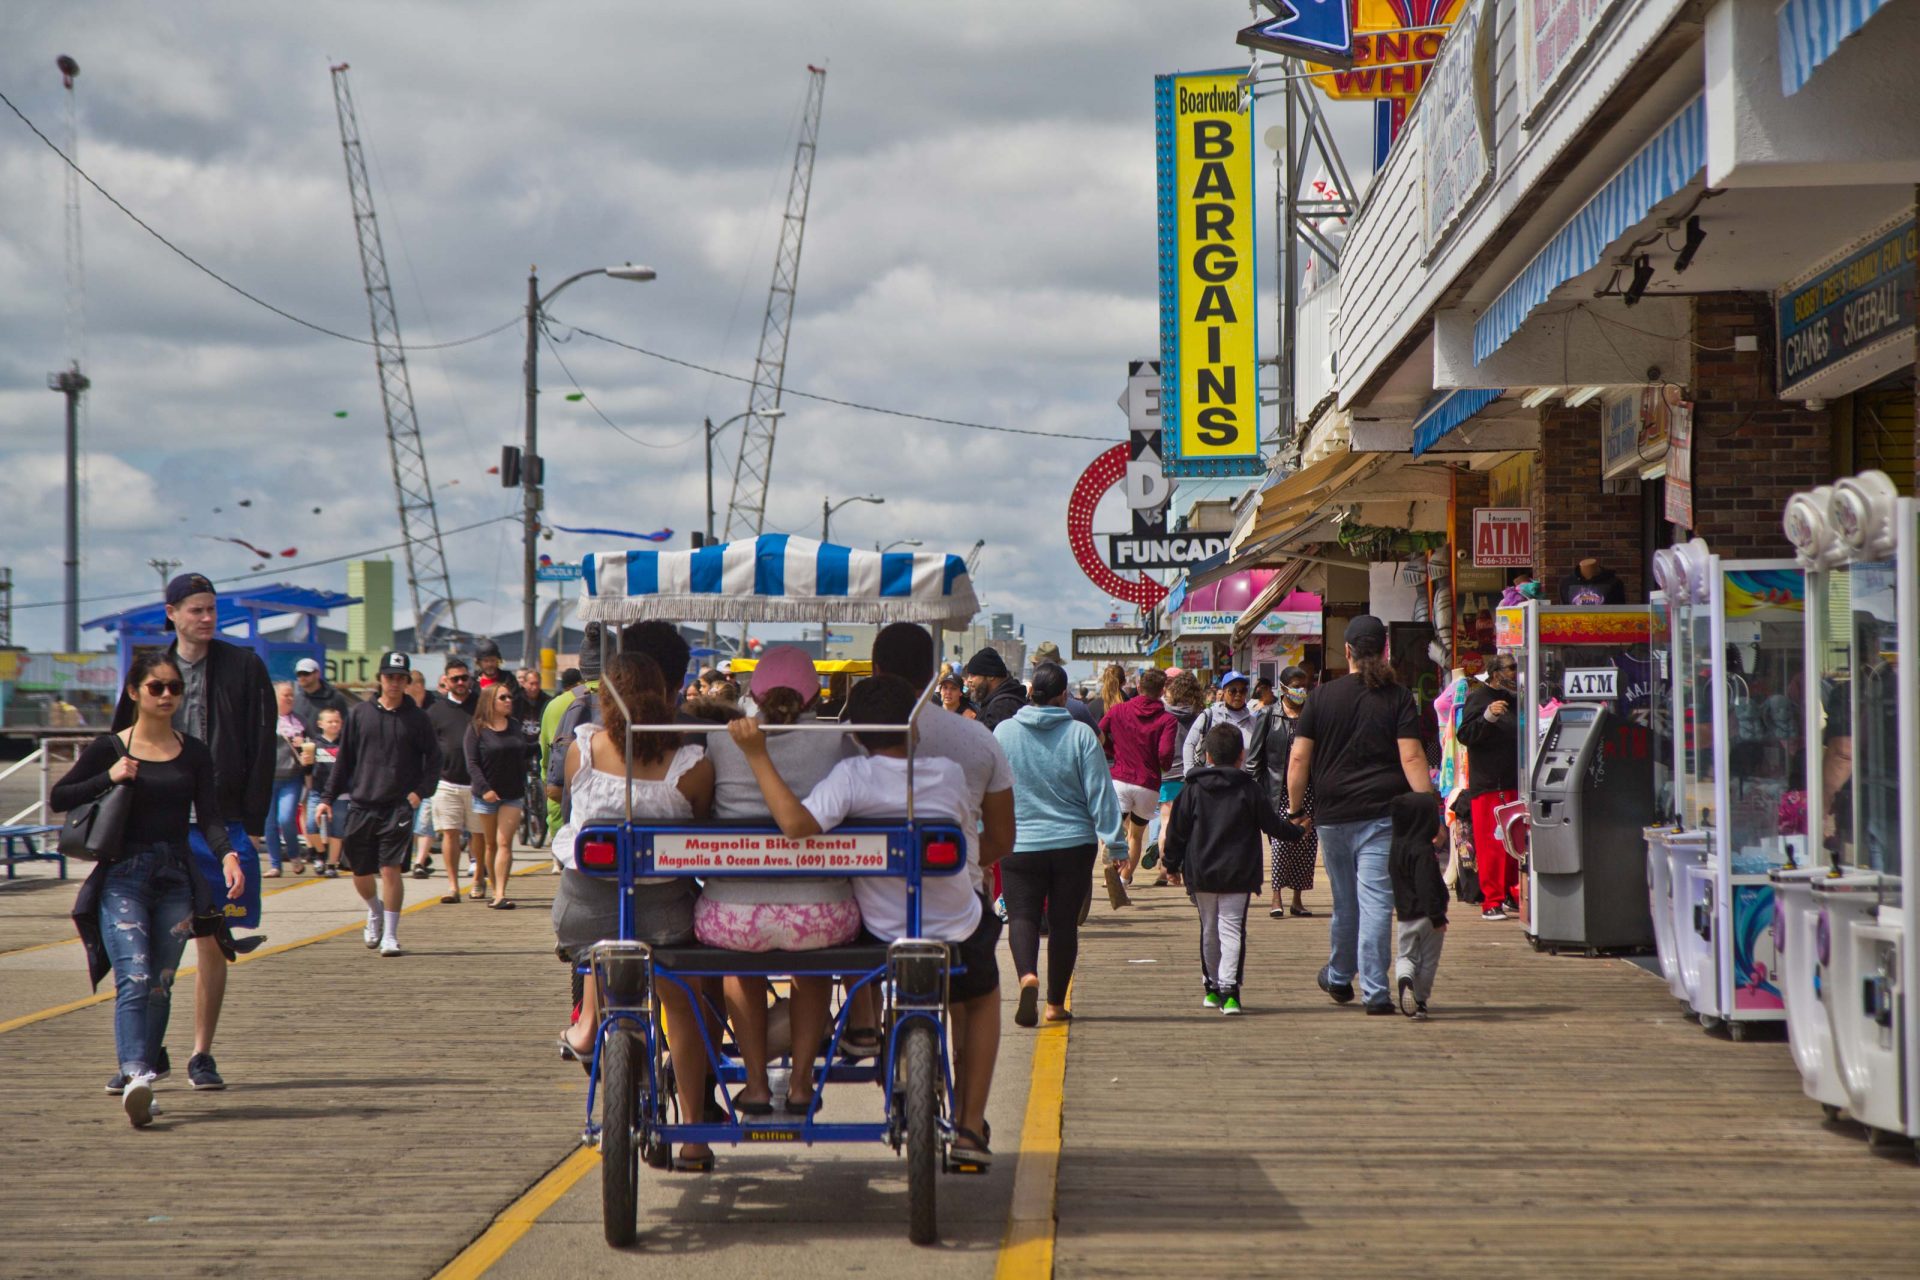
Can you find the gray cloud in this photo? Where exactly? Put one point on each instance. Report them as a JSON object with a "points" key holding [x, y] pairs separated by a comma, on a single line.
{"points": [[980, 246]]}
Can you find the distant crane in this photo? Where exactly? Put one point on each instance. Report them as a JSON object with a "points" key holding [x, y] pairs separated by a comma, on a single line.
{"points": [[747, 509], [70, 381], [427, 581]]}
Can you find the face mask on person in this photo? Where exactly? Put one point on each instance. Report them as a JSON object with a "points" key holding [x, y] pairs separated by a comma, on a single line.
{"points": [[1295, 697]]}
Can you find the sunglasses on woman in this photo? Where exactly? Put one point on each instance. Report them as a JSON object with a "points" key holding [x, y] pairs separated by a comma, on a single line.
{"points": [[161, 688]]}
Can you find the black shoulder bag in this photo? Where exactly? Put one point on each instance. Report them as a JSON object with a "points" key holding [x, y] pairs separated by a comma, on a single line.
{"points": [[94, 831]]}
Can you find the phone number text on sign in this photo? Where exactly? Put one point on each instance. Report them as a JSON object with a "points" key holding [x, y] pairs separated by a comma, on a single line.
{"points": [[748, 852]]}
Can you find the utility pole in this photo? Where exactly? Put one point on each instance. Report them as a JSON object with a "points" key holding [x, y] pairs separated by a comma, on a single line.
{"points": [[164, 568], [530, 480]]}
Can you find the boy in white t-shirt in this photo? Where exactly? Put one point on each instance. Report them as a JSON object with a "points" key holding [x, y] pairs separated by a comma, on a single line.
{"points": [[951, 911]]}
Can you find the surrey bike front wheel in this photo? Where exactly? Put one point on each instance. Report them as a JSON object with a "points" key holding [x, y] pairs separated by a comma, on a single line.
{"points": [[619, 1154]]}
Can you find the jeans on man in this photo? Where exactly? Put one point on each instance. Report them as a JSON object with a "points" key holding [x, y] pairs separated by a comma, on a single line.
{"points": [[146, 917], [1355, 857]]}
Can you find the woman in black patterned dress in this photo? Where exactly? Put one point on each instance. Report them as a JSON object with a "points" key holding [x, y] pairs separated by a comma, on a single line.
{"points": [[1272, 744]]}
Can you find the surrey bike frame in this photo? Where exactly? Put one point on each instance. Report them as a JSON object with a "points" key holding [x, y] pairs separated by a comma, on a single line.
{"points": [[916, 971]]}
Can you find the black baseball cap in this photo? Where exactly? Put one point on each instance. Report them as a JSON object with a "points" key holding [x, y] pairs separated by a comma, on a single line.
{"points": [[395, 663], [1367, 632], [184, 586]]}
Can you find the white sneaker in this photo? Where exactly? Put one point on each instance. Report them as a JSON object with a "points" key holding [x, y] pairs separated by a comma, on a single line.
{"points": [[390, 946], [372, 932], [137, 1098]]}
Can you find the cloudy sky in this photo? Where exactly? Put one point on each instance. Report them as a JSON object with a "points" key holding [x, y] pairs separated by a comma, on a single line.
{"points": [[980, 246]]}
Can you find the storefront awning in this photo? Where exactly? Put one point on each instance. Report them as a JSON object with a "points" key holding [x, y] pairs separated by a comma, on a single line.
{"points": [[1292, 502], [1810, 30], [1276, 590], [1446, 411], [1658, 170]]}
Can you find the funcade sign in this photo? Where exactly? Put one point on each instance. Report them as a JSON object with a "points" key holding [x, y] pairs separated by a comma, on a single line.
{"points": [[1209, 409]]}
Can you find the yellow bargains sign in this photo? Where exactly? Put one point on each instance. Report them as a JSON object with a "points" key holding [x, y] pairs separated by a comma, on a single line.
{"points": [[1209, 351]]}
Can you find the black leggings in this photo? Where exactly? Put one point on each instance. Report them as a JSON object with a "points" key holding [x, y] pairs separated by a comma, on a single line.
{"points": [[1058, 880]]}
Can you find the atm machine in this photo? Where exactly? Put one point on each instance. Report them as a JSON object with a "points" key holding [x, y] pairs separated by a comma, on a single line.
{"points": [[1568, 653], [1743, 782], [1865, 927], [1590, 799]]}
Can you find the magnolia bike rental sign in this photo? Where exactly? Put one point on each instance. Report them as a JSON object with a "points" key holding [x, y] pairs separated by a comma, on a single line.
{"points": [[1209, 346], [720, 851]]}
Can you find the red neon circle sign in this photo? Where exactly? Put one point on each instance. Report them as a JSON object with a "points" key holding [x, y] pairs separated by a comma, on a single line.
{"points": [[1106, 471]]}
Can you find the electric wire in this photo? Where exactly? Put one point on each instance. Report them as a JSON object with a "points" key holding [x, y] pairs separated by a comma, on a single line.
{"points": [[554, 351], [215, 276], [844, 404]]}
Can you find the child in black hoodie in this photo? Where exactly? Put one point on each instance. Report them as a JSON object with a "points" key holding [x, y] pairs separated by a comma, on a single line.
{"points": [[1213, 840], [1419, 897]]}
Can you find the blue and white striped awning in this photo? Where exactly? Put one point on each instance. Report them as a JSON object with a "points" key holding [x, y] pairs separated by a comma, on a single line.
{"points": [[1448, 410], [1810, 30], [1657, 170], [778, 578]]}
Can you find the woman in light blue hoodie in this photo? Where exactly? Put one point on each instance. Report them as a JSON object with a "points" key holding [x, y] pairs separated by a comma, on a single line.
{"points": [[1064, 811]]}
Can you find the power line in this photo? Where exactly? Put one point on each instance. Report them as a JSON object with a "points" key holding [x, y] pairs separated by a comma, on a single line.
{"points": [[281, 571], [554, 351], [844, 404], [210, 273]]}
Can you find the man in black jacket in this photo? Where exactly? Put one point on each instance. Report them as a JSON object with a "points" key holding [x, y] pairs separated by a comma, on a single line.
{"points": [[230, 705], [995, 692], [1490, 728]]}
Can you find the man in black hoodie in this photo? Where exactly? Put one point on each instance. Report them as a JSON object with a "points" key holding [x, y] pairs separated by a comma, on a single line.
{"points": [[1213, 840], [1419, 898], [1490, 728], [998, 695]]}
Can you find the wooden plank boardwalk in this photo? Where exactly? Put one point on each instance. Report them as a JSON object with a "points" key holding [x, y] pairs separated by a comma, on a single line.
{"points": [[1555, 1117], [381, 1112]]}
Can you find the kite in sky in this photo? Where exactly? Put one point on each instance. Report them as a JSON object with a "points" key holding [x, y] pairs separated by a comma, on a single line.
{"points": [[658, 535]]}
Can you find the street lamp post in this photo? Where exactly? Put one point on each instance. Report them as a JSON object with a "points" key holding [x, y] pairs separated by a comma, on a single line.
{"points": [[530, 469], [827, 508], [897, 542]]}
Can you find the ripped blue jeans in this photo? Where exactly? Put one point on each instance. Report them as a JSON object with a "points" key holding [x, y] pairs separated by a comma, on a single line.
{"points": [[146, 917]]}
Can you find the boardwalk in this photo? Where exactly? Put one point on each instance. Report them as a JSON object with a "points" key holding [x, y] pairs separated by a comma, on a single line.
{"points": [[1556, 1117]]}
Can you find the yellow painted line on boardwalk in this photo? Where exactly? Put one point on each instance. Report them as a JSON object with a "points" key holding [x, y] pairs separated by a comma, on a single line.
{"points": [[27, 1020], [69, 942], [518, 1218], [1026, 1252]]}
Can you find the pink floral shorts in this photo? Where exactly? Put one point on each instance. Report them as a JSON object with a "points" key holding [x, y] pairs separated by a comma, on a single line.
{"points": [[779, 926]]}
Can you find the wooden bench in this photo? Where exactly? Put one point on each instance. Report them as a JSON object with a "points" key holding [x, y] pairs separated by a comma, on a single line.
{"points": [[31, 843]]}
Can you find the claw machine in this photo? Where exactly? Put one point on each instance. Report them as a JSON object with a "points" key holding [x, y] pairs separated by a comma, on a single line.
{"points": [[1826, 747], [1666, 722], [1865, 927], [1586, 655], [1744, 766]]}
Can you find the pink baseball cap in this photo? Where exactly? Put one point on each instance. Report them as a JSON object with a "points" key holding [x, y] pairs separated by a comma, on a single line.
{"points": [[784, 667]]}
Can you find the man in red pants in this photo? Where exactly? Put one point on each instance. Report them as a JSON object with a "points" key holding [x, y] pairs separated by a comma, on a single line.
{"points": [[1490, 726]]}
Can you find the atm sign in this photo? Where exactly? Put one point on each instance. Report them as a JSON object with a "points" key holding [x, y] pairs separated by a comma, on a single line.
{"points": [[1502, 537]]}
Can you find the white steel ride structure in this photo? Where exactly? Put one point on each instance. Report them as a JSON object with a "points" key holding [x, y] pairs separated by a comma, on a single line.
{"points": [[427, 581], [747, 509]]}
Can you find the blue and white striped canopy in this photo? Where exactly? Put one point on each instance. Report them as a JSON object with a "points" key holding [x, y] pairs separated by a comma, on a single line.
{"points": [[778, 578]]}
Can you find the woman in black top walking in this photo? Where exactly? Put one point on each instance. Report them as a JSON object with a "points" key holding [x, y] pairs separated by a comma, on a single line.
{"points": [[497, 753], [136, 911]]}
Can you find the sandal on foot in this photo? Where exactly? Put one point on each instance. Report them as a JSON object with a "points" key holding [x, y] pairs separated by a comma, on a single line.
{"points": [[861, 1042], [571, 1054], [1300, 911], [974, 1159], [693, 1164], [505, 904], [450, 900], [476, 893], [1278, 913], [1028, 1014], [797, 1106], [754, 1110]]}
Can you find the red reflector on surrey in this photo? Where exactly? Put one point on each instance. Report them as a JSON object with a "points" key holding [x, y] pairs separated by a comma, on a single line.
{"points": [[943, 853], [599, 855]]}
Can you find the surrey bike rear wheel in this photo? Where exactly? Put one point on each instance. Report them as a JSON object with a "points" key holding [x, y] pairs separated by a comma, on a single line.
{"points": [[619, 1154], [920, 1085]]}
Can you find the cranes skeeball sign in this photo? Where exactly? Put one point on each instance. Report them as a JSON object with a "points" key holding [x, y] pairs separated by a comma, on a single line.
{"points": [[1209, 408]]}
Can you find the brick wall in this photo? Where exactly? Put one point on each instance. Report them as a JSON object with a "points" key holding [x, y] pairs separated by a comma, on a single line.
{"points": [[1752, 451], [1572, 517]]}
